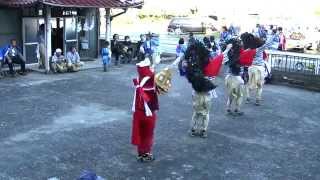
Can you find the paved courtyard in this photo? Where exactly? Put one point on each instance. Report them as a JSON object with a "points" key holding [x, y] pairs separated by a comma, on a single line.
{"points": [[59, 125]]}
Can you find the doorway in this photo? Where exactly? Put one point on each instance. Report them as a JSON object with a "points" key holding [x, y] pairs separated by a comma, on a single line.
{"points": [[64, 33], [30, 35], [57, 34]]}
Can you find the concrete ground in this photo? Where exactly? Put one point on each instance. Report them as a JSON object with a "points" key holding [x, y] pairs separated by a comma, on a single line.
{"points": [[59, 125]]}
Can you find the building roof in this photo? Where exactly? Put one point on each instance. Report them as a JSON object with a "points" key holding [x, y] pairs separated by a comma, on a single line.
{"points": [[75, 3]]}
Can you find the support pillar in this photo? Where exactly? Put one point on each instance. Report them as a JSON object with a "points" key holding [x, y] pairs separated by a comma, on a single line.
{"points": [[108, 24], [98, 22], [48, 37]]}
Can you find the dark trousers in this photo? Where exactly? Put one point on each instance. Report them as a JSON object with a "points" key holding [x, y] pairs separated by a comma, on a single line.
{"points": [[117, 57], [16, 60]]}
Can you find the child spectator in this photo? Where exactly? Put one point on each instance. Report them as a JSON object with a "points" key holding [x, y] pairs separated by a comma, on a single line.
{"points": [[106, 56]]}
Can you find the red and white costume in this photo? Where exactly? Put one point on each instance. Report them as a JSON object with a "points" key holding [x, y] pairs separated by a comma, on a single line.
{"points": [[145, 105]]}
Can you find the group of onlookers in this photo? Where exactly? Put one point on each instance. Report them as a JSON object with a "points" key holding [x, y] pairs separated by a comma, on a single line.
{"points": [[70, 63], [122, 51], [279, 38], [11, 54], [125, 51], [209, 42]]}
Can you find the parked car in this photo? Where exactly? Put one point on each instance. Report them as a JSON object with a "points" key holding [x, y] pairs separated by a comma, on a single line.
{"points": [[296, 42], [315, 40], [186, 24], [299, 42]]}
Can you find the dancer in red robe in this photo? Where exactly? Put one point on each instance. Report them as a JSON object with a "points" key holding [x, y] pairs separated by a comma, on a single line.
{"points": [[144, 107]]}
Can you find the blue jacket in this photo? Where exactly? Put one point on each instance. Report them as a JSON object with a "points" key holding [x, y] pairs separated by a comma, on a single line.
{"points": [[105, 53], [181, 49], [225, 36], [6, 49], [150, 46], [1, 54]]}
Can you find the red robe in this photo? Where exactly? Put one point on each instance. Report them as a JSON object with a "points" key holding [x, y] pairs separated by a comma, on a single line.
{"points": [[143, 124]]}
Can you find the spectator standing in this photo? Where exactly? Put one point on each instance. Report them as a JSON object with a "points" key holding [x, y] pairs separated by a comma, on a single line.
{"points": [[262, 32], [41, 46], [181, 48], [214, 45], [116, 48], [282, 44], [224, 36], [150, 47], [191, 40], [140, 49], [275, 40]]}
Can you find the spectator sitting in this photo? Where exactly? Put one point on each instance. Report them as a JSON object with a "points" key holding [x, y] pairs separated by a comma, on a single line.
{"points": [[106, 56], [58, 62], [73, 60], [127, 49], [12, 54]]}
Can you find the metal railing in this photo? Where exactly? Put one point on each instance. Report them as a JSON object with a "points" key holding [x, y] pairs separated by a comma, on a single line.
{"points": [[295, 63]]}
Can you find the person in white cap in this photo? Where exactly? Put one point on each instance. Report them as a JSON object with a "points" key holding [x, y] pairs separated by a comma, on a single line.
{"points": [[58, 62], [145, 105]]}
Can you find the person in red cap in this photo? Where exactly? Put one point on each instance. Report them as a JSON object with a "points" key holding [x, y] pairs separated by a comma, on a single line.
{"points": [[145, 105]]}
